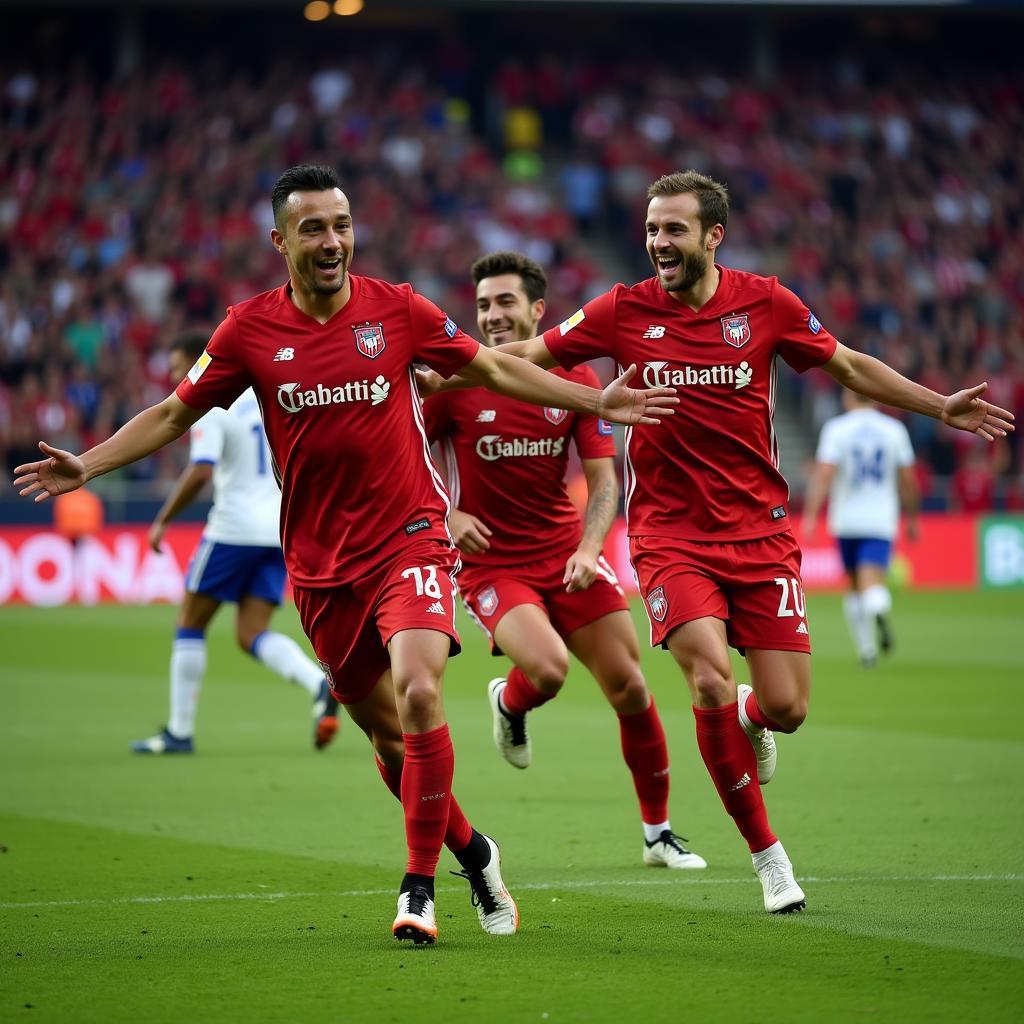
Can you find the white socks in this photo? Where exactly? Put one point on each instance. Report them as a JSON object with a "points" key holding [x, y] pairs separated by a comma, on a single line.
{"points": [[876, 600], [652, 833], [281, 654], [188, 663], [861, 626]]}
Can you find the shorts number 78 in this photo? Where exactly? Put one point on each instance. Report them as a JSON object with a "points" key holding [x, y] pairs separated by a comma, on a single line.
{"points": [[427, 585], [791, 600]]}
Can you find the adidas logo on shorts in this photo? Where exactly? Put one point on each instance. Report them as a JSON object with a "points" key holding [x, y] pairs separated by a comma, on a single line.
{"points": [[802, 628], [437, 608]]}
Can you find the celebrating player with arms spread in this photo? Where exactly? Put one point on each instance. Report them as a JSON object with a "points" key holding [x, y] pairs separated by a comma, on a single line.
{"points": [[363, 512], [533, 576], [707, 508]]}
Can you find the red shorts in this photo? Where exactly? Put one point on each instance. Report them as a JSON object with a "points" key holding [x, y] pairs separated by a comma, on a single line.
{"points": [[753, 585], [351, 625], [488, 592]]}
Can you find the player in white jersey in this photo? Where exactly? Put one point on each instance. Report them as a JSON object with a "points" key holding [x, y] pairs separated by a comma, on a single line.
{"points": [[238, 559], [865, 464]]}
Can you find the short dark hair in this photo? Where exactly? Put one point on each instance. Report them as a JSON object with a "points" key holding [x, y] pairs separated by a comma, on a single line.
{"points": [[712, 196], [303, 178], [191, 342], [535, 281]]}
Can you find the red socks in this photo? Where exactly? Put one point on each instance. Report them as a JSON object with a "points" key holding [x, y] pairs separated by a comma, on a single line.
{"points": [[520, 695], [644, 751], [730, 761], [757, 716], [458, 831]]}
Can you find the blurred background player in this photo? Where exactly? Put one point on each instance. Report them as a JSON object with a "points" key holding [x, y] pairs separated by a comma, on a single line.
{"points": [[533, 577], [239, 559], [706, 505], [865, 464]]}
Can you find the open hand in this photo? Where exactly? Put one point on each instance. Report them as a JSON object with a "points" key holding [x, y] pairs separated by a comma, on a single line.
{"points": [[967, 411], [59, 473], [622, 404]]}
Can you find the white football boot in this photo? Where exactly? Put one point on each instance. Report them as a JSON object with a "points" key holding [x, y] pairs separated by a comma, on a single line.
{"points": [[415, 920], [762, 740], [781, 893], [668, 852], [496, 909], [510, 735]]}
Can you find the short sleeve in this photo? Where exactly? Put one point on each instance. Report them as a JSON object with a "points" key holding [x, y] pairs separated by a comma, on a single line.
{"points": [[828, 449], [594, 437], [219, 375], [802, 341], [587, 334], [206, 439], [436, 416], [437, 340], [904, 449]]}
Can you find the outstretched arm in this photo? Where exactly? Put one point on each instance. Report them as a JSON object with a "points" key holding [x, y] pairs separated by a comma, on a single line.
{"points": [[910, 499], [602, 504], [140, 436], [430, 382], [519, 378], [964, 410]]}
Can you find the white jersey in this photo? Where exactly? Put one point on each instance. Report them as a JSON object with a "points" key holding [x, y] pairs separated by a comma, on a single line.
{"points": [[866, 447], [246, 498]]}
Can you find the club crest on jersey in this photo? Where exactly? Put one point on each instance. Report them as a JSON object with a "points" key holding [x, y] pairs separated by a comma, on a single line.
{"points": [[488, 601], [658, 603], [736, 330], [555, 416], [369, 339]]}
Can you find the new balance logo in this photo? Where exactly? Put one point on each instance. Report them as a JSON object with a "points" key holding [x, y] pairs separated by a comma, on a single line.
{"points": [[485, 416], [437, 609], [745, 781], [284, 354], [655, 331], [802, 628]]}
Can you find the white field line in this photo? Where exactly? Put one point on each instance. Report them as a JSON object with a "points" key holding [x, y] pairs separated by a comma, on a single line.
{"points": [[676, 880]]}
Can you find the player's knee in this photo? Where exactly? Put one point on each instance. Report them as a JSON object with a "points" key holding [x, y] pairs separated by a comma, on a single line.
{"points": [[631, 697], [420, 695], [711, 685], [549, 674], [788, 715]]}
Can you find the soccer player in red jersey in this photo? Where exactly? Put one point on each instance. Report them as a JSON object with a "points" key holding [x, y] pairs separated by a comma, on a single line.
{"points": [[707, 508], [363, 511], [533, 576]]}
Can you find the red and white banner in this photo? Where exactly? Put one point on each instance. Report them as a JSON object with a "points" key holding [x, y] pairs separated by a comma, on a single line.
{"points": [[40, 567]]}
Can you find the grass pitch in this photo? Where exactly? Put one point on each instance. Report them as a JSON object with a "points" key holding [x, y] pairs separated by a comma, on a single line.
{"points": [[255, 881]]}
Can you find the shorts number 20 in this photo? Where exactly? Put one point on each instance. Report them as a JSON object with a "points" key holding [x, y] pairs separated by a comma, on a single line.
{"points": [[791, 592]]}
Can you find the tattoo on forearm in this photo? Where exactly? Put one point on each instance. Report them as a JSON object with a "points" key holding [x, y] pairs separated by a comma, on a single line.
{"points": [[600, 512]]}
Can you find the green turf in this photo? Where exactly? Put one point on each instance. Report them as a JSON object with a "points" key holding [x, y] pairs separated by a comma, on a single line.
{"points": [[255, 881]]}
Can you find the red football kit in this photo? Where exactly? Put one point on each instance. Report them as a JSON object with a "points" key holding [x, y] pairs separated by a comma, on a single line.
{"points": [[507, 462], [363, 511], [704, 495]]}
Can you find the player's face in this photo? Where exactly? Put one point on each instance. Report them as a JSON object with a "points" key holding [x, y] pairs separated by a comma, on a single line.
{"points": [[676, 243], [318, 240], [178, 364], [503, 311]]}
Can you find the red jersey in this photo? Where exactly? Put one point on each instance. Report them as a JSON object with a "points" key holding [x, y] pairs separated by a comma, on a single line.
{"points": [[508, 462], [343, 418], [711, 471]]}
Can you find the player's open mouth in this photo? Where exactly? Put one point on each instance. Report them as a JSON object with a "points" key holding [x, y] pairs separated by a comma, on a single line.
{"points": [[666, 264], [329, 267], [497, 332]]}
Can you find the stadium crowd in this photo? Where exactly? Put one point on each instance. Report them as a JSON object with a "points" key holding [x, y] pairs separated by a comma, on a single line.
{"points": [[130, 208]]}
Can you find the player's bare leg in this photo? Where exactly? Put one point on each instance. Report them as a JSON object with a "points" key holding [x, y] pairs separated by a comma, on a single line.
{"points": [[188, 664], [701, 650], [281, 654], [875, 601], [608, 648], [541, 663]]}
